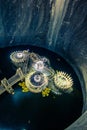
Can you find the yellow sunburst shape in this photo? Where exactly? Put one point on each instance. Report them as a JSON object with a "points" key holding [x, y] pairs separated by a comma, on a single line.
{"points": [[46, 92], [24, 88]]}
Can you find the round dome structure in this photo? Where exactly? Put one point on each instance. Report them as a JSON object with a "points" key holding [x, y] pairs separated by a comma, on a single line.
{"points": [[19, 56], [36, 81], [20, 59]]}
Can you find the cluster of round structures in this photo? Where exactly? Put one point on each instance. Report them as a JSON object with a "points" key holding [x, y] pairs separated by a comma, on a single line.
{"points": [[38, 73]]}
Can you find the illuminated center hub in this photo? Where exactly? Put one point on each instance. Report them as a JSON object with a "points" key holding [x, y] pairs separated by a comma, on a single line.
{"points": [[39, 65], [36, 81], [20, 55], [37, 78]]}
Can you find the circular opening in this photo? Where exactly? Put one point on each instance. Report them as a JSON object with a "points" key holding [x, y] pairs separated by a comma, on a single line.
{"points": [[32, 111]]}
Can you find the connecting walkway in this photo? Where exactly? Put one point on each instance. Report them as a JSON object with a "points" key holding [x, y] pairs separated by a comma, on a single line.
{"points": [[6, 85]]}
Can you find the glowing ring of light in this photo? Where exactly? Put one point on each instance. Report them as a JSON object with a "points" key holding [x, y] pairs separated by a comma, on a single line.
{"points": [[32, 87], [18, 56]]}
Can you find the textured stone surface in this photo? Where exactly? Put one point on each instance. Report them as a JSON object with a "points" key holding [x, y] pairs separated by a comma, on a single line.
{"points": [[80, 124], [23, 22]]}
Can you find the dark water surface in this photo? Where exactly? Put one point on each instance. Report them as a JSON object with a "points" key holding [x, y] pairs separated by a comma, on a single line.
{"points": [[30, 111]]}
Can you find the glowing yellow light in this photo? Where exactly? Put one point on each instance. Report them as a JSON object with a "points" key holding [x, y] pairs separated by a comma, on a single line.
{"points": [[24, 88], [46, 92]]}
